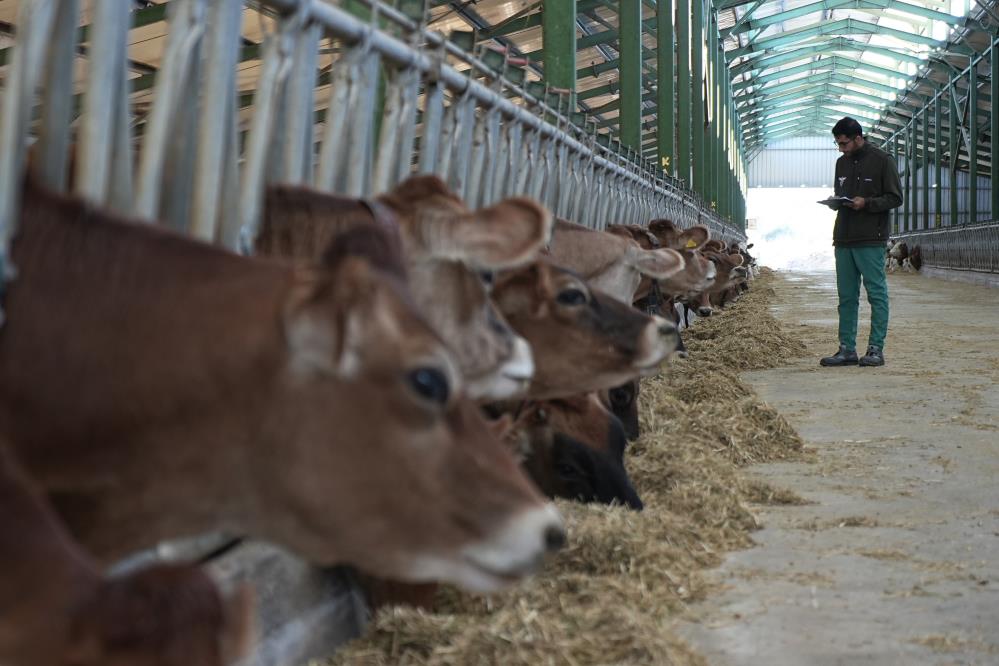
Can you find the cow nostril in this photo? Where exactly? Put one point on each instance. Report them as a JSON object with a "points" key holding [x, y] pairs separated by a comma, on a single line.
{"points": [[554, 538], [704, 312]]}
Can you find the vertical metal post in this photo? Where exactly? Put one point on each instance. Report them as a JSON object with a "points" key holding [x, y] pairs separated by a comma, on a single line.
{"points": [[955, 153], [895, 156], [165, 127], [110, 21], [361, 137], [973, 148], [697, 35], [937, 160], [665, 92], [218, 91], [57, 103], [298, 141], [630, 72], [35, 21], [558, 43], [926, 168], [464, 134], [433, 112], [914, 135], [683, 89], [994, 131], [277, 60], [345, 79]]}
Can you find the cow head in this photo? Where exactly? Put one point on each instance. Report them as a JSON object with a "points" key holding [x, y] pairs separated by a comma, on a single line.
{"points": [[729, 272], [452, 253], [565, 467], [448, 249], [416, 487], [623, 402], [583, 340], [609, 261]]}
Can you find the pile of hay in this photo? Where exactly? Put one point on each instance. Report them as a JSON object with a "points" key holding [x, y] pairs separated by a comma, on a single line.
{"points": [[610, 596]]}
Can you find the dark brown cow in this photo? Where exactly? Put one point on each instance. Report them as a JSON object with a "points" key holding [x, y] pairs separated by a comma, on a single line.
{"points": [[156, 387], [446, 247], [583, 339], [57, 609]]}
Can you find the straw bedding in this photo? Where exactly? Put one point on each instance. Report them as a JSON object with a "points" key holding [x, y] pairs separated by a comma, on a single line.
{"points": [[610, 596]]}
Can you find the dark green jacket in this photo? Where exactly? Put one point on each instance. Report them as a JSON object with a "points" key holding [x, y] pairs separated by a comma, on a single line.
{"points": [[870, 173]]}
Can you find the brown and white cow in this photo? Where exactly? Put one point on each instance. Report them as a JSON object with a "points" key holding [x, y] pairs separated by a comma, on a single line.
{"points": [[583, 339], [58, 609], [156, 387], [447, 247], [609, 261]]}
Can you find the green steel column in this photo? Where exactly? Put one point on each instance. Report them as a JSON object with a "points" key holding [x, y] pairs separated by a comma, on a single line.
{"points": [[926, 168], [558, 42], [897, 157], [630, 72], [973, 148], [716, 74], [910, 179], [665, 91], [913, 222], [697, 92], [710, 119], [683, 85], [937, 139], [955, 153], [994, 134]]}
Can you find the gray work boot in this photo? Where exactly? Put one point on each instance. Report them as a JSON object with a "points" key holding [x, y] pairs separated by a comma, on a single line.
{"points": [[843, 357], [873, 358]]}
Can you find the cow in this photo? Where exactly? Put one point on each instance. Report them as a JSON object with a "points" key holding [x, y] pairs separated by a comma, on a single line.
{"points": [[608, 261], [157, 387], [915, 260], [729, 273], [583, 339], [58, 609], [896, 254], [623, 402], [447, 249]]}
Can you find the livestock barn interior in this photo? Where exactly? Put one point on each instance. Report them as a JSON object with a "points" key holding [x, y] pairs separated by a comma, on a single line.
{"points": [[350, 332]]}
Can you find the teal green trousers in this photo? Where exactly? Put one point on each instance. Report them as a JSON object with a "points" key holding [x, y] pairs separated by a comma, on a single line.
{"points": [[852, 264]]}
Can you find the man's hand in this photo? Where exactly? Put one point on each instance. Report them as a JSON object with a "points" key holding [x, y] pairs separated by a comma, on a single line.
{"points": [[857, 204]]}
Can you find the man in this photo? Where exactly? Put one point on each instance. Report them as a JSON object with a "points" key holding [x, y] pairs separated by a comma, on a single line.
{"points": [[868, 177]]}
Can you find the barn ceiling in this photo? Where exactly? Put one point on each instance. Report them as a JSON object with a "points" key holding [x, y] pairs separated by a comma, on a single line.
{"points": [[795, 65]]}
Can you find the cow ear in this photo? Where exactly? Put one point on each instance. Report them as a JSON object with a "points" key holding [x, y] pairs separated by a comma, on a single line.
{"points": [[321, 328], [656, 264], [508, 234], [735, 259], [695, 237]]}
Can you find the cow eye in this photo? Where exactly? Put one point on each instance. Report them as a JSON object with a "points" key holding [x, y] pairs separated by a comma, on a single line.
{"points": [[488, 278], [430, 384], [571, 296]]}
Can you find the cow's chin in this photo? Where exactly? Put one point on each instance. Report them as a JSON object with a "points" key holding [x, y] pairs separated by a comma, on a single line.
{"points": [[501, 387], [465, 572]]}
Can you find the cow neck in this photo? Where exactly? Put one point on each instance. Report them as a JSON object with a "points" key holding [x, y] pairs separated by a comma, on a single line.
{"points": [[156, 327]]}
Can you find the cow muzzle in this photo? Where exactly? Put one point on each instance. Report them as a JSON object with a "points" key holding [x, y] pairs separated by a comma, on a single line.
{"points": [[659, 340]]}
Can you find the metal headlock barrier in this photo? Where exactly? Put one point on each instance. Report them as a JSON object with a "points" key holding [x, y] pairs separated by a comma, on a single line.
{"points": [[203, 158], [969, 247]]}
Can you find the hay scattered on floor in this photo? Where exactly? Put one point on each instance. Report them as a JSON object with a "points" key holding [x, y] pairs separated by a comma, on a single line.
{"points": [[610, 596]]}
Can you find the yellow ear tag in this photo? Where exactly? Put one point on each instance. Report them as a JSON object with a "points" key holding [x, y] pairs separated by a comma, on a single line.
{"points": [[691, 244]]}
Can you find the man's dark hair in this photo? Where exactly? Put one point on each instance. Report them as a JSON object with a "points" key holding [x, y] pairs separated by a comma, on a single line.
{"points": [[847, 127]]}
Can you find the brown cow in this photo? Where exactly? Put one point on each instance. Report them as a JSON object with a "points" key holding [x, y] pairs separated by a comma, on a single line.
{"points": [[583, 339], [730, 272], [57, 609], [156, 387], [446, 247], [608, 261]]}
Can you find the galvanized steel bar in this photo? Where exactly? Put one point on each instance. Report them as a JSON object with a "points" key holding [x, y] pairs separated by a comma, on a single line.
{"points": [[937, 162], [361, 135], [279, 50], [216, 116], [186, 25], [955, 152], [52, 149], [495, 153], [433, 114], [926, 168], [464, 136], [94, 159], [298, 145], [477, 160], [397, 126], [35, 20], [345, 83]]}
